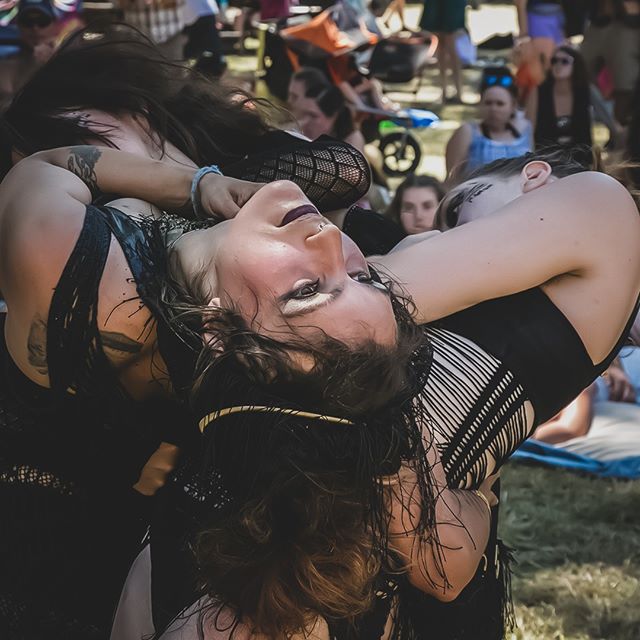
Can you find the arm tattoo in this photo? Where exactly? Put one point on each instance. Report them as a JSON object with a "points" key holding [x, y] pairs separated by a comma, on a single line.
{"points": [[82, 162], [37, 345], [119, 342]]}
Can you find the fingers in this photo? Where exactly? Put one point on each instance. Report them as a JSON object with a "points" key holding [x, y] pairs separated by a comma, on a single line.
{"points": [[223, 196]]}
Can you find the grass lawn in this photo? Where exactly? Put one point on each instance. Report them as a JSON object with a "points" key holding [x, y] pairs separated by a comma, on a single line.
{"points": [[577, 544]]}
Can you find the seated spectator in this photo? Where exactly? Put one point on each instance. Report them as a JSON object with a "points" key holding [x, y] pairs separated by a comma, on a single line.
{"points": [[40, 30], [560, 107], [415, 202], [39, 27], [603, 422], [499, 134], [322, 110], [301, 80]]}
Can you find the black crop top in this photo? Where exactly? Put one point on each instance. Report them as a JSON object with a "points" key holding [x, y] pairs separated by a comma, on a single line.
{"points": [[71, 523], [500, 369]]}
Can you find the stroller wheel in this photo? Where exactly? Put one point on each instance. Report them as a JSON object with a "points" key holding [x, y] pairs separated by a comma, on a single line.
{"points": [[401, 153]]}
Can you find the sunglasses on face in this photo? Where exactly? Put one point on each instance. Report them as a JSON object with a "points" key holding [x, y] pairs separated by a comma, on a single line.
{"points": [[500, 81], [41, 21], [565, 62]]}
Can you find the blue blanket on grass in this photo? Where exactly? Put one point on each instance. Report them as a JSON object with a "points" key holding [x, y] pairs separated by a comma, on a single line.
{"points": [[547, 454]]}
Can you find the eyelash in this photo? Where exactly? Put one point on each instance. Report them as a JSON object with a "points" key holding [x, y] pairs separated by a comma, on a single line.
{"points": [[298, 294]]}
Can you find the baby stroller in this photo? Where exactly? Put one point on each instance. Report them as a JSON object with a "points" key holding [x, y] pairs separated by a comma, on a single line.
{"points": [[401, 59], [345, 46]]}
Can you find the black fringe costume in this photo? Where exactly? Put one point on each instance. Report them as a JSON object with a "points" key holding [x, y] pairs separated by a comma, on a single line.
{"points": [[69, 455]]}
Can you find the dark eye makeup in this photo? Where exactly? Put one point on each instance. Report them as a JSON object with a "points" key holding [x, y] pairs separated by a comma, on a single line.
{"points": [[310, 289]]}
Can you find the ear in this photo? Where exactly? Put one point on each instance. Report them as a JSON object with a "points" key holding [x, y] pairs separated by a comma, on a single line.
{"points": [[210, 339], [535, 174]]}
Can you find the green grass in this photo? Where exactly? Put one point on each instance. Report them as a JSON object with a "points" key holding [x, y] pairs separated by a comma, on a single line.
{"points": [[578, 553]]}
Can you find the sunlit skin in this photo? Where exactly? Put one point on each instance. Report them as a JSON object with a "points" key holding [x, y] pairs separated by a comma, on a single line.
{"points": [[300, 277], [313, 122], [418, 209]]}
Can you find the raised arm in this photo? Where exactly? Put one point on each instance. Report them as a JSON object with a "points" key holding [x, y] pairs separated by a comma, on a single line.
{"points": [[444, 568], [42, 207], [578, 237]]}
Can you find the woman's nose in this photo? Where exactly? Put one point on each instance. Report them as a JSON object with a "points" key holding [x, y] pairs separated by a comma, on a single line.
{"points": [[327, 240]]}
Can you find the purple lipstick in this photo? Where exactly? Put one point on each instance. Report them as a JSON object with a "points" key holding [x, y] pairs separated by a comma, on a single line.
{"points": [[298, 212]]}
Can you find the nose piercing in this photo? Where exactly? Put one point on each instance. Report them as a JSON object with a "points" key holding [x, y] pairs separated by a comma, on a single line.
{"points": [[321, 226]]}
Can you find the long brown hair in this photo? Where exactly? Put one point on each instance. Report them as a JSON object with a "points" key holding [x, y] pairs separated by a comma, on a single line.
{"points": [[116, 69], [295, 525]]}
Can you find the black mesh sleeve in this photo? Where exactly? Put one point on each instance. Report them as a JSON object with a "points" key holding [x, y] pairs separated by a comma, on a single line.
{"points": [[331, 173]]}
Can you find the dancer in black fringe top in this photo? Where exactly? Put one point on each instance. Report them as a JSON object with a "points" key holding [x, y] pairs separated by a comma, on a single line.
{"points": [[272, 472], [292, 451]]}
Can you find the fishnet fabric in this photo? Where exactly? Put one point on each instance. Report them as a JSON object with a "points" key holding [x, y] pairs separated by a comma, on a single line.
{"points": [[332, 174], [477, 410]]}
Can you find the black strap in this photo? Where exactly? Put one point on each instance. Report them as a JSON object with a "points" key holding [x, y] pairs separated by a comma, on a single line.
{"points": [[73, 351]]}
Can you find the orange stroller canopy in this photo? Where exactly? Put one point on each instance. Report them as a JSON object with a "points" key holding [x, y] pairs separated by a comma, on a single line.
{"points": [[323, 33]]}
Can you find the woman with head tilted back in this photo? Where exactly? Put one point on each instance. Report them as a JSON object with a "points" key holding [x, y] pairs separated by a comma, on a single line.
{"points": [[283, 324], [85, 410], [269, 327]]}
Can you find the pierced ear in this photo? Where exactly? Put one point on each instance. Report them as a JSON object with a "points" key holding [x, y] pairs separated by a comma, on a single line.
{"points": [[535, 174], [210, 339]]}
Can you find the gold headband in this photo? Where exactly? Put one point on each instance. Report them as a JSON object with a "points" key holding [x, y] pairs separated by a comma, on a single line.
{"points": [[253, 408]]}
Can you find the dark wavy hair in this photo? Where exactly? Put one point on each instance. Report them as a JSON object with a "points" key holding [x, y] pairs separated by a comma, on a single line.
{"points": [[116, 69], [579, 75], [413, 180], [331, 102], [292, 511]]}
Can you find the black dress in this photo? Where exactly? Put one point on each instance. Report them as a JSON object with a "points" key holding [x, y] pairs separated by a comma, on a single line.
{"points": [[69, 457], [572, 129]]}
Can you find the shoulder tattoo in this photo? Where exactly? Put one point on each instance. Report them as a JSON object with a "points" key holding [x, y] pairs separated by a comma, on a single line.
{"points": [[37, 345], [82, 163]]}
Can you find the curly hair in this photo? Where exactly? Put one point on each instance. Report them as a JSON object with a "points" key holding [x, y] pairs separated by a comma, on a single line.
{"points": [[302, 528]]}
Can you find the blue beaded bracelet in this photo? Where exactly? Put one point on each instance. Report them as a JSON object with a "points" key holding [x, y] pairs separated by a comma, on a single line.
{"points": [[195, 200]]}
